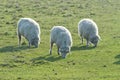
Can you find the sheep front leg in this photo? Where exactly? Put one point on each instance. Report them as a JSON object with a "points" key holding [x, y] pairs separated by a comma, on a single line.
{"points": [[87, 43], [29, 44]]}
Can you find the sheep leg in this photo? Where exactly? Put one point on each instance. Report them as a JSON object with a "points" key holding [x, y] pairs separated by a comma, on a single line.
{"points": [[87, 43], [19, 37], [51, 45], [29, 44], [81, 38], [58, 51]]}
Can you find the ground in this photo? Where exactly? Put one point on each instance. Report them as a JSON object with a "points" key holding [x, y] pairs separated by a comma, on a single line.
{"points": [[100, 63]]}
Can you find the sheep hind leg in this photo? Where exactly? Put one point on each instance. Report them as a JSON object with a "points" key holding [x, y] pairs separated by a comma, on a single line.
{"points": [[19, 37], [58, 51], [51, 45], [81, 39]]}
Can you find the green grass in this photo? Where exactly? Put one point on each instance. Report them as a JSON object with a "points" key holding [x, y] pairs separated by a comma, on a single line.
{"points": [[101, 63]]}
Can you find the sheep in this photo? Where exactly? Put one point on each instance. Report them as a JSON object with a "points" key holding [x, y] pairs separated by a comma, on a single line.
{"points": [[62, 38], [29, 29], [88, 29]]}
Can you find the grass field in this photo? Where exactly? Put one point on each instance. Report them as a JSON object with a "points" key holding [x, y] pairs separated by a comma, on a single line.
{"points": [[100, 63]]}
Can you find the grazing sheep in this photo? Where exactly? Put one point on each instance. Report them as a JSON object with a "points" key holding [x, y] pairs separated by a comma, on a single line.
{"points": [[62, 38], [88, 29], [30, 29]]}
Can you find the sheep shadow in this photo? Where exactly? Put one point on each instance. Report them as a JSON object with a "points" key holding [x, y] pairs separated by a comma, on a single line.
{"points": [[117, 62], [48, 57], [12, 49], [74, 48]]}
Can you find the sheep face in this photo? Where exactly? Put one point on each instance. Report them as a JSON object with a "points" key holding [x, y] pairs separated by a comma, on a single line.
{"points": [[35, 42], [64, 51], [95, 40]]}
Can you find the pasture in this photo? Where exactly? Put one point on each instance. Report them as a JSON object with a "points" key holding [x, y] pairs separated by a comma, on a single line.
{"points": [[100, 63]]}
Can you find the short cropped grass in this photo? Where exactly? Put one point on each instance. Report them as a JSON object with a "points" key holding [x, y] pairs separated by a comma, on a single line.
{"points": [[23, 63]]}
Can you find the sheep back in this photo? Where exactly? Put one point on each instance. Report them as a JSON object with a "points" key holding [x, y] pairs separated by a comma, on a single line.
{"points": [[88, 29], [61, 37], [30, 29]]}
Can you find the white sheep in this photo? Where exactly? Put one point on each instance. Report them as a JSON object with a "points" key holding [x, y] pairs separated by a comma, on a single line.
{"points": [[30, 29], [88, 29], [62, 38]]}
